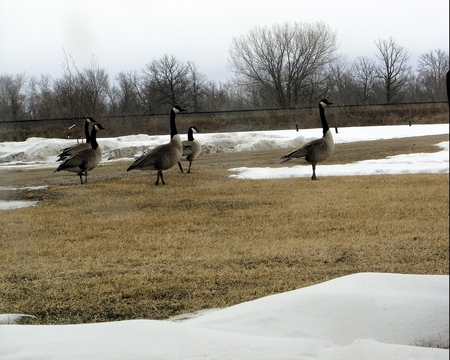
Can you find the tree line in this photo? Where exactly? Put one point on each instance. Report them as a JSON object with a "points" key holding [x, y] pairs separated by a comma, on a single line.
{"points": [[284, 66]]}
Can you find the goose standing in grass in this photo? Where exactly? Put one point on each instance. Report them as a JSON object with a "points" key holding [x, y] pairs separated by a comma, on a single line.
{"points": [[86, 159], [164, 156], [68, 151], [191, 148], [317, 150]]}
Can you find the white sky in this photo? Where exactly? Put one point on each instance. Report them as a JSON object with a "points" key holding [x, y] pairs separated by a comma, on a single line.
{"points": [[125, 35]]}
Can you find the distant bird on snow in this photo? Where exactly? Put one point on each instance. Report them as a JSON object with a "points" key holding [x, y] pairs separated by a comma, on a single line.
{"points": [[317, 150]]}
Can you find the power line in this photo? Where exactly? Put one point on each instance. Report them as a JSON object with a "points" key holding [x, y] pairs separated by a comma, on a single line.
{"points": [[221, 112]]}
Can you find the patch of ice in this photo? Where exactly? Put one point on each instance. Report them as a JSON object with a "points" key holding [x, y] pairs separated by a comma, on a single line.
{"points": [[8, 205]]}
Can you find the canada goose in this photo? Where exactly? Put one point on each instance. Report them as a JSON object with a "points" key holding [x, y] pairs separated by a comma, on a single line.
{"points": [[317, 150], [68, 151], [191, 148], [84, 160], [164, 156]]}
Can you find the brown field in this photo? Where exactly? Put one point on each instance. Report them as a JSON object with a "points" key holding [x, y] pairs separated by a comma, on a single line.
{"points": [[121, 248]]}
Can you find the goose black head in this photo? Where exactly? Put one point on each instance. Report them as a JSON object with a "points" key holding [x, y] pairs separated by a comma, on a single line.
{"points": [[325, 103], [176, 109]]}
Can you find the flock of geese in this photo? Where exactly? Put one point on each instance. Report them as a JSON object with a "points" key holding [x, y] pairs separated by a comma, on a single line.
{"points": [[84, 157]]}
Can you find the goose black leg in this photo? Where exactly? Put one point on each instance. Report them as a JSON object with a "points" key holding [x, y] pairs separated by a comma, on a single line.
{"points": [[181, 168], [314, 173], [162, 179]]}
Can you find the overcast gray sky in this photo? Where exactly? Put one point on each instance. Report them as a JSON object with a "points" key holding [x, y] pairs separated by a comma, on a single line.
{"points": [[125, 35]]}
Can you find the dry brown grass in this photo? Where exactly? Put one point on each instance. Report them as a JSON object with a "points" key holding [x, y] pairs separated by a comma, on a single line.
{"points": [[121, 248]]}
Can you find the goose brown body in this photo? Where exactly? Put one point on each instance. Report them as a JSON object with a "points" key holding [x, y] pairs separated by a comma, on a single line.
{"points": [[317, 150], [162, 157], [84, 160], [69, 151], [191, 148]]}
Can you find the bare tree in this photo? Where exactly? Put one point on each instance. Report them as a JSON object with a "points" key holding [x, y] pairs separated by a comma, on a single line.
{"points": [[218, 96], [126, 93], [67, 89], [365, 77], [196, 87], [432, 70], [168, 77], [278, 61], [317, 86], [81, 93], [47, 101], [94, 84], [393, 69], [13, 95], [33, 97], [342, 84], [146, 91]]}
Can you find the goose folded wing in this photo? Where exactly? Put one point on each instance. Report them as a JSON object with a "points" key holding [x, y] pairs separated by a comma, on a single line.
{"points": [[77, 160], [150, 159], [188, 148], [72, 150], [302, 152]]}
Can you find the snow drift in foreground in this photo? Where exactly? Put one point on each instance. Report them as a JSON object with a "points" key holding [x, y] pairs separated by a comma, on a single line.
{"points": [[360, 316]]}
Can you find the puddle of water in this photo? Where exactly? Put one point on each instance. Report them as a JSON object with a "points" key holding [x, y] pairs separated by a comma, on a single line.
{"points": [[7, 205]]}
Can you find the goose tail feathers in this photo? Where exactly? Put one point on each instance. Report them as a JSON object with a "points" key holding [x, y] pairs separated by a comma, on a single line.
{"points": [[300, 153]]}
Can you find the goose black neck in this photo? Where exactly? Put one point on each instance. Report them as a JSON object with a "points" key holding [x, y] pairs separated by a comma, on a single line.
{"points": [[190, 135], [325, 126], [94, 143], [86, 131], [173, 126]]}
